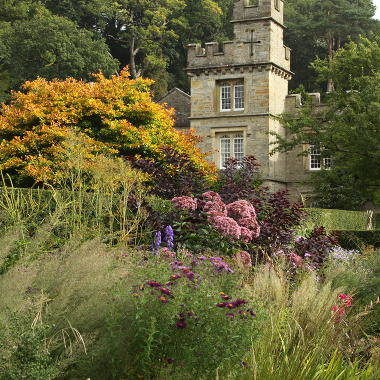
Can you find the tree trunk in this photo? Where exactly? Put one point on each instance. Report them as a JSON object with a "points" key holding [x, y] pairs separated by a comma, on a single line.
{"points": [[330, 43], [132, 60]]}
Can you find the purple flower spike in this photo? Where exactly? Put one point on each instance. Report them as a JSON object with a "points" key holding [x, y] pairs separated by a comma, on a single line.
{"points": [[156, 242], [169, 237]]}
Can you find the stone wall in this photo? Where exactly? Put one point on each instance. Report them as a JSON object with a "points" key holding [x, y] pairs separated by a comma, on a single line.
{"points": [[181, 102]]}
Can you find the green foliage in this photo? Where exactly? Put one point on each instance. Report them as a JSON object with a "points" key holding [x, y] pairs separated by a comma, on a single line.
{"points": [[26, 346], [318, 28], [347, 129], [149, 337], [92, 199], [362, 277], [357, 239], [98, 291], [336, 220], [337, 188], [38, 43]]}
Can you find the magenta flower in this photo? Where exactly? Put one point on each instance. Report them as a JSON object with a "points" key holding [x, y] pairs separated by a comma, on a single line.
{"points": [[240, 210], [165, 291], [215, 208], [245, 234], [226, 226], [186, 203], [220, 264], [230, 315], [181, 323], [211, 196], [153, 284], [244, 258]]}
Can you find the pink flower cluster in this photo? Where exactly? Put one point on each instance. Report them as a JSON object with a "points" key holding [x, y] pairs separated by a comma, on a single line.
{"points": [[244, 258], [236, 220], [187, 203]]}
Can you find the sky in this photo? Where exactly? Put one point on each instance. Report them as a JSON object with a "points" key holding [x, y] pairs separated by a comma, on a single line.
{"points": [[377, 3]]}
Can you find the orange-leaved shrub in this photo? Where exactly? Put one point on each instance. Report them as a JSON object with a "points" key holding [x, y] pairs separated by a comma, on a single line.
{"points": [[115, 115]]}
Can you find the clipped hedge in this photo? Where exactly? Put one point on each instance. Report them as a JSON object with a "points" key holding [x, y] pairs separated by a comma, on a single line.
{"points": [[338, 220], [358, 239]]}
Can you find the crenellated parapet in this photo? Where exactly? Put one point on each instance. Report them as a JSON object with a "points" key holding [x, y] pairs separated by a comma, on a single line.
{"points": [[258, 40], [235, 53], [294, 101], [258, 9]]}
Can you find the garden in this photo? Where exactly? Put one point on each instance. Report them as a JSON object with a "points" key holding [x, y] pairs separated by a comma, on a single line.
{"points": [[125, 255]]}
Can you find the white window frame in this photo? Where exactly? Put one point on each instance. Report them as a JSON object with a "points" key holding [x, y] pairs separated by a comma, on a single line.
{"points": [[277, 4], [235, 145], [315, 163], [241, 98], [223, 98]]}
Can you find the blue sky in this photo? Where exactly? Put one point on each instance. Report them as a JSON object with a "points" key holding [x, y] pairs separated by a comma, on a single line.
{"points": [[377, 3]]}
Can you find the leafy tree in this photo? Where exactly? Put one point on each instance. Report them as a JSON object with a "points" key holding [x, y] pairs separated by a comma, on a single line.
{"points": [[348, 129], [321, 27], [116, 115], [150, 36], [38, 43]]}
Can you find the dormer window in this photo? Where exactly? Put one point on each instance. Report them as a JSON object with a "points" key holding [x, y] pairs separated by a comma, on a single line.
{"points": [[231, 95]]}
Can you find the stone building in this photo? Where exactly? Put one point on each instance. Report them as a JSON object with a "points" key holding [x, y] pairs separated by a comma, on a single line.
{"points": [[237, 89]]}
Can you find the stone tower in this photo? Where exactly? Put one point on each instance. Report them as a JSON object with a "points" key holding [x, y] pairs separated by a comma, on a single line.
{"points": [[238, 86]]}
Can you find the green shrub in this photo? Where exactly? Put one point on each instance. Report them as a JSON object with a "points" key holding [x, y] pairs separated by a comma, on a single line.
{"points": [[361, 277], [338, 219], [182, 334], [129, 333], [359, 239]]}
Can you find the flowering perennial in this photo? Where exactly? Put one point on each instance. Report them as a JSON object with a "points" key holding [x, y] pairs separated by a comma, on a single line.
{"points": [[236, 220], [339, 310], [186, 203], [231, 305]]}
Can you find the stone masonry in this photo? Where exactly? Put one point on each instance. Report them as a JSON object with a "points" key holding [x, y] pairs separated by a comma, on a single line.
{"points": [[257, 59]]}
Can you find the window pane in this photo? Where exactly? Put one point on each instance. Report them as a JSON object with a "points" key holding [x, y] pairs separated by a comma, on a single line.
{"points": [[327, 163], [239, 97], [225, 150], [239, 147], [225, 97], [315, 157]]}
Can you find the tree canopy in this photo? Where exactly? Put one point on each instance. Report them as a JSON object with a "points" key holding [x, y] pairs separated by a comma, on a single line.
{"points": [[52, 38], [348, 128], [35, 42]]}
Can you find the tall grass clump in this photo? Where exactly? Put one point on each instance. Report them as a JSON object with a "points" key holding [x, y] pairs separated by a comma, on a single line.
{"points": [[303, 336], [90, 197]]}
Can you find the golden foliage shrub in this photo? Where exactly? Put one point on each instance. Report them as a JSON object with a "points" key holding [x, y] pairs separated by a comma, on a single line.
{"points": [[115, 115]]}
